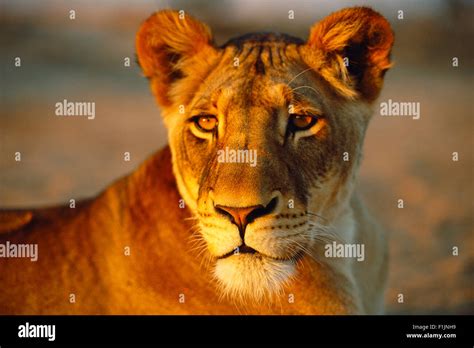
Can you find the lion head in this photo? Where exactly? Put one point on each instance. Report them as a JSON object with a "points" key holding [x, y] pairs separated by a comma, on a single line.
{"points": [[266, 134]]}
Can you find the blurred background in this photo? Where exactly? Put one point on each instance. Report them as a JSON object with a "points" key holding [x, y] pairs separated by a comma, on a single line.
{"points": [[83, 60]]}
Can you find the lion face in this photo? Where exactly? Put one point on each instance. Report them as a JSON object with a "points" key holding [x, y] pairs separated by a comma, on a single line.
{"points": [[266, 135], [258, 210]]}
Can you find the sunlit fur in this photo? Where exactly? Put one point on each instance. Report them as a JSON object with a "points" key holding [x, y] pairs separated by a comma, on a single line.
{"points": [[187, 252], [251, 101], [243, 277]]}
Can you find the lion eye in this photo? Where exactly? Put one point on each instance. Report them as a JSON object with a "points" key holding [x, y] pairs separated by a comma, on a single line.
{"points": [[299, 122], [205, 123]]}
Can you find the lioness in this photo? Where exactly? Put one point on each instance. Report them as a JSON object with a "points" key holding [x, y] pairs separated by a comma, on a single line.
{"points": [[195, 231]]}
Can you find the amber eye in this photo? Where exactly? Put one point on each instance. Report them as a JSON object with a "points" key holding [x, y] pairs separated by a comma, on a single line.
{"points": [[205, 123], [299, 122]]}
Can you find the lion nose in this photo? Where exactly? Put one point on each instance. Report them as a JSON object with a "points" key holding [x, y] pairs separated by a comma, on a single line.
{"points": [[242, 216], [239, 216]]}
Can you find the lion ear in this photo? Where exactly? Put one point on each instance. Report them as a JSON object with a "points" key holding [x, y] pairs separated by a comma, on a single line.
{"points": [[164, 43], [353, 50]]}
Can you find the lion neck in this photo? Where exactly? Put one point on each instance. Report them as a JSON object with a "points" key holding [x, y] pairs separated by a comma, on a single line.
{"points": [[160, 232]]}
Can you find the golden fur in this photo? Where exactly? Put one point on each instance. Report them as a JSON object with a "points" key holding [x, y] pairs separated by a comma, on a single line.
{"points": [[183, 260]]}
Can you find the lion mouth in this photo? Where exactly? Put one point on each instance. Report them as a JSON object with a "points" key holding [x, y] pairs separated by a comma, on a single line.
{"points": [[245, 249]]}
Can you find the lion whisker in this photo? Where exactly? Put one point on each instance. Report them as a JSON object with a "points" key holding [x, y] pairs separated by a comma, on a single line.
{"points": [[299, 74], [315, 91]]}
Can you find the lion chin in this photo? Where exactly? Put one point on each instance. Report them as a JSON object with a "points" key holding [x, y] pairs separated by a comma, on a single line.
{"points": [[252, 277]]}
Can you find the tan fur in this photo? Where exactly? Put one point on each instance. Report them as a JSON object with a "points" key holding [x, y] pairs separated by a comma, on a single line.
{"points": [[181, 260]]}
